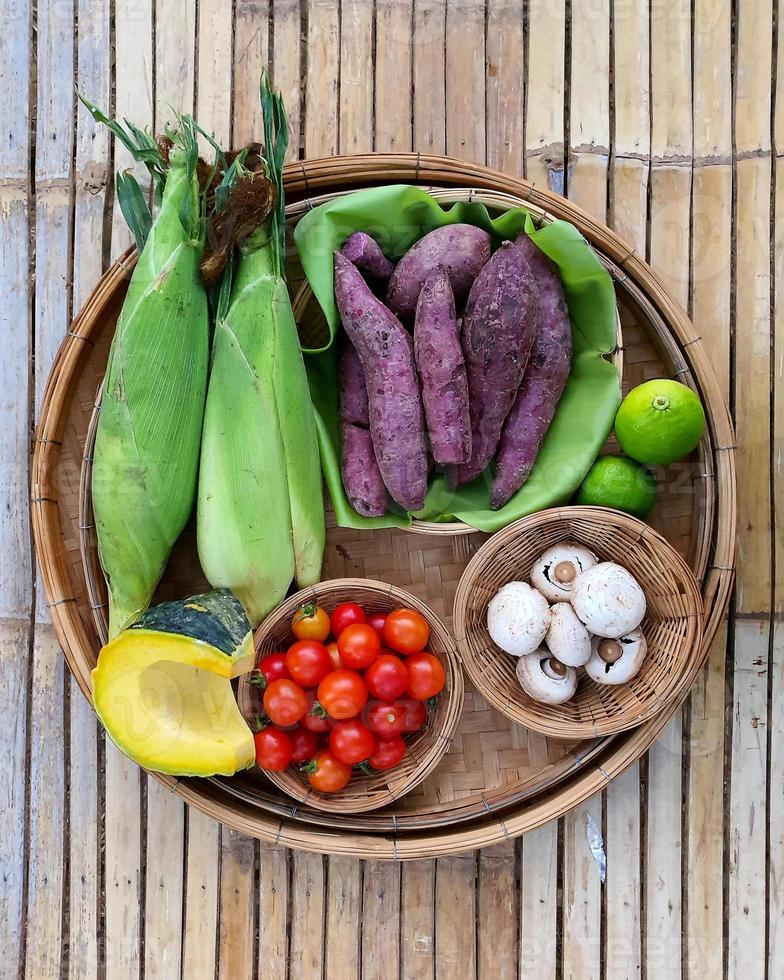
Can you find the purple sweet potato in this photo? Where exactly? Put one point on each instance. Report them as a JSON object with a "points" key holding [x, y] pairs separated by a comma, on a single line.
{"points": [[386, 351], [499, 327], [361, 476], [366, 254], [461, 249], [542, 385], [439, 360]]}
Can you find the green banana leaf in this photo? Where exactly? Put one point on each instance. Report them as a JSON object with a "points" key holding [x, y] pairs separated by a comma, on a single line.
{"points": [[399, 215]]}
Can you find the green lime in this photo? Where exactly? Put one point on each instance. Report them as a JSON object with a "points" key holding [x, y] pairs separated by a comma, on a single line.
{"points": [[659, 421], [619, 482]]}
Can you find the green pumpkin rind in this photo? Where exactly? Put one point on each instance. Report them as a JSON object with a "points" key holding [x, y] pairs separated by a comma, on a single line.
{"points": [[216, 618]]}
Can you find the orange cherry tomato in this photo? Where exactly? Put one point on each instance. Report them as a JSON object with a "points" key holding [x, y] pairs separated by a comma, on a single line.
{"points": [[334, 655], [406, 631], [310, 622]]}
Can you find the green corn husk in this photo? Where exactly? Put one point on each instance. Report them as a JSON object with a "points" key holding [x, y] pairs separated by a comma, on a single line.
{"points": [[260, 506], [147, 443]]}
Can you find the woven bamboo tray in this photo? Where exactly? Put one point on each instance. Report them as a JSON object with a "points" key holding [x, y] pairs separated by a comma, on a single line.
{"points": [[495, 782]]}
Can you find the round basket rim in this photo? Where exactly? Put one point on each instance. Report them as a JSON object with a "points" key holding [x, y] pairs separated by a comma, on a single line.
{"points": [[521, 709], [301, 179], [439, 739]]}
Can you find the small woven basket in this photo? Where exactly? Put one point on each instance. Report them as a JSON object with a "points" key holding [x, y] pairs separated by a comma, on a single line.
{"points": [[424, 749], [672, 625]]}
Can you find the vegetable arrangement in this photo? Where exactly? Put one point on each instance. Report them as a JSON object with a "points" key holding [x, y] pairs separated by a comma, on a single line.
{"points": [[567, 418], [345, 693], [593, 622]]}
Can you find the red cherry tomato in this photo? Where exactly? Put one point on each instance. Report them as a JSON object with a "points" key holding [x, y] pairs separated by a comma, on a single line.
{"points": [[326, 773], [406, 631], [425, 675], [304, 744], [344, 615], [269, 669], [385, 718], [310, 622], [387, 677], [350, 742], [415, 717], [334, 655], [284, 702], [273, 749], [343, 694], [388, 754], [377, 620], [308, 662], [359, 645], [316, 719]]}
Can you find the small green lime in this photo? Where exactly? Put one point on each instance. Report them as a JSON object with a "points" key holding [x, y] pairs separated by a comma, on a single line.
{"points": [[619, 482], [659, 421]]}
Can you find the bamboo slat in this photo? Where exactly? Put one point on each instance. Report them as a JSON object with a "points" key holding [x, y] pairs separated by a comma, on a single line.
{"points": [[286, 17], [393, 73], [202, 882], [53, 209], [455, 919], [417, 920], [582, 895], [538, 903], [356, 77], [465, 74], [497, 912], [174, 62], [273, 904], [321, 78], [711, 222], [163, 886], [236, 905], [505, 83], [429, 74], [380, 921], [544, 119], [250, 55], [308, 896], [343, 928], [623, 942], [213, 95]]}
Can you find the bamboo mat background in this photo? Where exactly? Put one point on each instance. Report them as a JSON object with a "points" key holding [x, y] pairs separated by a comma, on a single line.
{"points": [[662, 116]]}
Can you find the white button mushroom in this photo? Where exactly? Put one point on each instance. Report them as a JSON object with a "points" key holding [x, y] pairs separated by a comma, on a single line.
{"points": [[568, 640], [545, 679], [609, 600], [554, 572], [616, 661], [517, 618]]}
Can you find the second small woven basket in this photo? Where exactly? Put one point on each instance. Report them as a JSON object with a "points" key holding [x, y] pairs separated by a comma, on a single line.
{"points": [[424, 749], [672, 625]]}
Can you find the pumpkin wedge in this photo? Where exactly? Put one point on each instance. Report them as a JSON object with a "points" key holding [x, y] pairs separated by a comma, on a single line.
{"points": [[162, 688]]}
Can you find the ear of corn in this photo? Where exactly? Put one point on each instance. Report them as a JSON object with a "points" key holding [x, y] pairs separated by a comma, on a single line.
{"points": [[260, 507], [147, 443], [244, 522]]}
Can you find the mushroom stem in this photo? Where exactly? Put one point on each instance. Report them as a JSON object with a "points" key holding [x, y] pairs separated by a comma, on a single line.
{"points": [[554, 668], [610, 651], [564, 571]]}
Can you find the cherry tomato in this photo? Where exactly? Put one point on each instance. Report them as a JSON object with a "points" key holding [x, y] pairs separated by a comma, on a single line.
{"points": [[273, 749], [406, 631], [308, 662], [269, 669], [359, 645], [343, 694], [387, 677], [414, 715], [284, 702], [425, 675], [304, 744], [334, 655], [377, 620], [344, 615], [350, 742], [326, 773], [385, 718], [310, 622], [388, 754], [316, 719]]}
